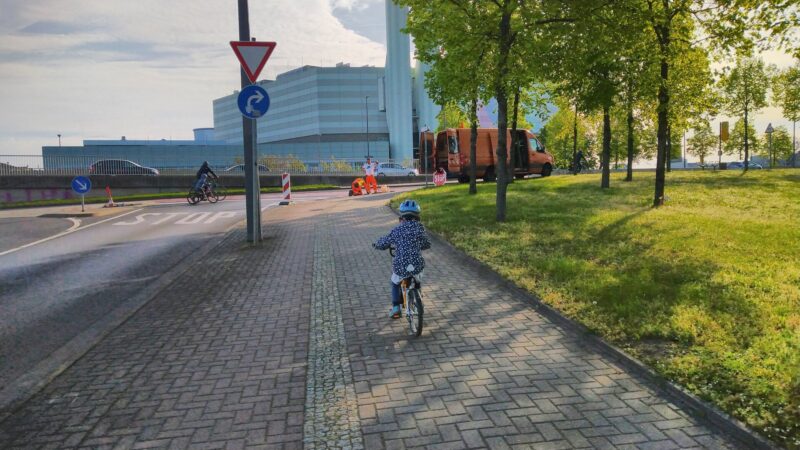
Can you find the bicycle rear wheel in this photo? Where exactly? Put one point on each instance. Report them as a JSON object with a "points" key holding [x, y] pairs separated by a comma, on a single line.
{"points": [[193, 197], [414, 312]]}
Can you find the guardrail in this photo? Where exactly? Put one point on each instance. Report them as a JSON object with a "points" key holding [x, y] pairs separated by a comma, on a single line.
{"points": [[38, 165]]}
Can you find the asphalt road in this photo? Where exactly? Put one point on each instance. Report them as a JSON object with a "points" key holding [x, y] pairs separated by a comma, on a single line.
{"points": [[60, 275]]}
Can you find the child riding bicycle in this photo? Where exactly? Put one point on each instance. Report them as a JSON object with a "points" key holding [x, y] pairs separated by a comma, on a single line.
{"points": [[409, 239]]}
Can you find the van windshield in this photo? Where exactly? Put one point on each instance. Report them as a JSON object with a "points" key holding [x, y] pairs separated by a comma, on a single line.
{"points": [[535, 145], [452, 144]]}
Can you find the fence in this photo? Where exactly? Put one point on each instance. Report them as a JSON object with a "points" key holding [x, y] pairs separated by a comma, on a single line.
{"points": [[33, 165]]}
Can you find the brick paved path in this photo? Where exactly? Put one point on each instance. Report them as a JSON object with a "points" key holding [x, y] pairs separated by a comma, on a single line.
{"points": [[230, 358]]}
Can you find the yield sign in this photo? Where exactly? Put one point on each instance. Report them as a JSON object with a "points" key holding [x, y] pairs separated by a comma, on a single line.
{"points": [[253, 55]]}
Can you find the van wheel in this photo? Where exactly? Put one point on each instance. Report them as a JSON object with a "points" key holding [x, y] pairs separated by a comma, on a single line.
{"points": [[519, 176], [547, 170], [463, 178], [489, 175]]}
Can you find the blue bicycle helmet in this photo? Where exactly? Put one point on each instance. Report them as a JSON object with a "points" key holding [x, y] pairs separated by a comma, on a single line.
{"points": [[410, 208]]}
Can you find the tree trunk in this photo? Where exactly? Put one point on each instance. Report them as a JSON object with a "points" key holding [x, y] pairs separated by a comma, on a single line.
{"points": [[575, 134], [502, 111], [663, 123], [794, 143], [746, 144], [606, 159], [473, 142], [629, 176], [669, 148], [514, 138]]}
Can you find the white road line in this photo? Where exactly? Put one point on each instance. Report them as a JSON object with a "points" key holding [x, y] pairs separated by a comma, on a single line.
{"points": [[64, 233], [75, 223], [269, 206]]}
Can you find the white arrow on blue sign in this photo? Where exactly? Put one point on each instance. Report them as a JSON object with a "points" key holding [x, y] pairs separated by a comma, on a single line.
{"points": [[81, 185], [253, 101]]}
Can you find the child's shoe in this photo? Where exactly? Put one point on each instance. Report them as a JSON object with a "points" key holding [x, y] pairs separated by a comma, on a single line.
{"points": [[395, 313]]}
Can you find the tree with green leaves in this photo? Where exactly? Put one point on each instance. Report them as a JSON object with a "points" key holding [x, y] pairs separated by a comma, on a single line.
{"points": [[786, 94], [745, 92], [736, 141], [703, 143], [450, 36], [674, 27], [781, 146]]}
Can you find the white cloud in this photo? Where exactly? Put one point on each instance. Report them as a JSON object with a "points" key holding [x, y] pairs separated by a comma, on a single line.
{"points": [[146, 68]]}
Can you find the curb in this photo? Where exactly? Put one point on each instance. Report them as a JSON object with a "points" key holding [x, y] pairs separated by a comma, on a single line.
{"points": [[696, 406], [20, 391]]}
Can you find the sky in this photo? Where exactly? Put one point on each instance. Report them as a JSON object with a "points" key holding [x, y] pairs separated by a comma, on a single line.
{"points": [[149, 69]]}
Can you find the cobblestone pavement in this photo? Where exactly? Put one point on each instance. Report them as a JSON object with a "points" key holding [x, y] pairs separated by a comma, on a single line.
{"points": [[228, 357]]}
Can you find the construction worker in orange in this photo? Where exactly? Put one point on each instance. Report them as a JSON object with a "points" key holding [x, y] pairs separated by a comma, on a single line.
{"points": [[369, 172]]}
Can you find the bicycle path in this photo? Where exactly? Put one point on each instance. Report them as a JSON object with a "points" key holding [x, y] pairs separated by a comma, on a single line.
{"points": [[288, 345]]}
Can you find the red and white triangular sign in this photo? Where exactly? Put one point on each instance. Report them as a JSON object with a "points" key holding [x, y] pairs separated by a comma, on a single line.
{"points": [[253, 55]]}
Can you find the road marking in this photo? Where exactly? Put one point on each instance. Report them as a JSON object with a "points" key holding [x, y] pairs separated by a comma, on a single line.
{"points": [[139, 219], [167, 216], [64, 233], [269, 206], [192, 219], [221, 215], [75, 223]]}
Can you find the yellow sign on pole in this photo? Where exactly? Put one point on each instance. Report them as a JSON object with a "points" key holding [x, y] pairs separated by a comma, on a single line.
{"points": [[723, 131]]}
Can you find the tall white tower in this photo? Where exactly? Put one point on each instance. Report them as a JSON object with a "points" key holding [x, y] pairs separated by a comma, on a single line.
{"points": [[398, 83]]}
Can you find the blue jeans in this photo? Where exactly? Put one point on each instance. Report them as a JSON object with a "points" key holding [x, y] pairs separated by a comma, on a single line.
{"points": [[397, 296], [200, 182]]}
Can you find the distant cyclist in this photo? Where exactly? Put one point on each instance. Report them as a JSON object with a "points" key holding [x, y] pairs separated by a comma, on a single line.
{"points": [[577, 163], [409, 239], [202, 176]]}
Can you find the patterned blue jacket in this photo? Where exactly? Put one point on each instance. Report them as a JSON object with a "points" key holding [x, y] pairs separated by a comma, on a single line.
{"points": [[409, 239]]}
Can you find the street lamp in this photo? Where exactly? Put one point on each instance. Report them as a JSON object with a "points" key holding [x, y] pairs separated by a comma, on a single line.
{"points": [[59, 140], [769, 132], [366, 114]]}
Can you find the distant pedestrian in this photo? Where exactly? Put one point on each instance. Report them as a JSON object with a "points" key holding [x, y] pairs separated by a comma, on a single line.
{"points": [[369, 176]]}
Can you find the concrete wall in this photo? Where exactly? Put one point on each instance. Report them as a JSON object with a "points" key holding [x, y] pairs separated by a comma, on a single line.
{"points": [[31, 188]]}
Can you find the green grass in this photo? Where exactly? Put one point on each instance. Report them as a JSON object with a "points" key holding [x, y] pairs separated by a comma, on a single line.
{"points": [[706, 290], [140, 197]]}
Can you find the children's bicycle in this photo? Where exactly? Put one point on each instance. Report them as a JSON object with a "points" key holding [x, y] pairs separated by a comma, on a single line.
{"points": [[411, 289]]}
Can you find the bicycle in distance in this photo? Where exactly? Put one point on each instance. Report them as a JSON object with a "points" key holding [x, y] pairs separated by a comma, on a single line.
{"points": [[411, 290], [212, 191]]}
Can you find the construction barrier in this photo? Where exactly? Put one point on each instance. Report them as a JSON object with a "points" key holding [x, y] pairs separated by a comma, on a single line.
{"points": [[286, 188]]}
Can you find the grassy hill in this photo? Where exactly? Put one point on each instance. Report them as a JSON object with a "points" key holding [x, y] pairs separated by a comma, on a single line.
{"points": [[706, 290]]}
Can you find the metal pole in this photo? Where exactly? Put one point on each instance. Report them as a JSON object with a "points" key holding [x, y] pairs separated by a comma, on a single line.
{"points": [[251, 183], [425, 136], [82, 195], [771, 159], [59, 140], [366, 113], [684, 149]]}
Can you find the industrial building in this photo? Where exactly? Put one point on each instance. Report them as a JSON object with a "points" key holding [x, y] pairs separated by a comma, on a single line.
{"points": [[316, 113]]}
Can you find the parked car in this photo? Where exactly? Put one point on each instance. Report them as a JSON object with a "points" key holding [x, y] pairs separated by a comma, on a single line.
{"points": [[120, 167], [740, 165], [393, 169], [239, 168]]}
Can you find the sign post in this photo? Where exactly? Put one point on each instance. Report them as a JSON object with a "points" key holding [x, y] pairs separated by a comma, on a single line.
{"points": [[254, 104], [81, 185]]}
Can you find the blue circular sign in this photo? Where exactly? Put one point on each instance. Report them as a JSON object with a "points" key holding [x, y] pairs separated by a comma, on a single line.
{"points": [[81, 185], [253, 101]]}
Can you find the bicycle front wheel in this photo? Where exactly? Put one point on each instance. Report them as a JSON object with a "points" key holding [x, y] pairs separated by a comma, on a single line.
{"points": [[414, 312], [212, 197], [221, 192]]}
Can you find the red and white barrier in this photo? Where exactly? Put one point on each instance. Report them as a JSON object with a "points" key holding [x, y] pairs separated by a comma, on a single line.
{"points": [[110, 203], [286, 186]]}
